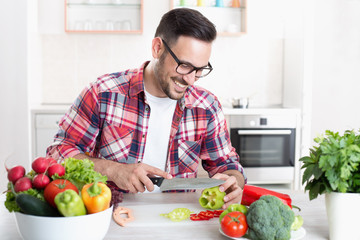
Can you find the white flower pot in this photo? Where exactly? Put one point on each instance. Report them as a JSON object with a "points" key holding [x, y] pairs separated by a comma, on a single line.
{"points": [[342, 211]]}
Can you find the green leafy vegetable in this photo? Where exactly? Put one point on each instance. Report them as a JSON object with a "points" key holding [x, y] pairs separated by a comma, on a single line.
{"points": [[81, 172], [333, 165]]}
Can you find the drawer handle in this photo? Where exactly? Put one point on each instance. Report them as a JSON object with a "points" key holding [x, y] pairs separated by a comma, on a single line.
{"points": [[264, 132]]}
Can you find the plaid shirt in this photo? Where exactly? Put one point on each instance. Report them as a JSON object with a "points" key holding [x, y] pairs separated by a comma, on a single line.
{"points": [[110, 120]]}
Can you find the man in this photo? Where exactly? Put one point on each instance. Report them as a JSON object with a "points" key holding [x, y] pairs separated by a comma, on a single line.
{"points": [[153, 120]]}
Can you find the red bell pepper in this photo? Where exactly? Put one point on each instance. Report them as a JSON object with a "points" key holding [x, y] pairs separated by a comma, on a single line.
{"points": [[253, 193], [205, 215]]}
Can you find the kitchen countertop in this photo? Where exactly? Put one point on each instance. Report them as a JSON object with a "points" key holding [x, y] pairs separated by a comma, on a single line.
{"points": [[313, 213], [261, 111], [62, 108]]}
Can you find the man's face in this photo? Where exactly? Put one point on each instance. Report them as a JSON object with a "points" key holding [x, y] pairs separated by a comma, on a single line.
{"points": [[188, 50]]}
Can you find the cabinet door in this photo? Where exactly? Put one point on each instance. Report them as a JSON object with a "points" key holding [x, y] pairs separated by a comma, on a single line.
{"points": [[104, 16], [46, 126], [229, 16]]}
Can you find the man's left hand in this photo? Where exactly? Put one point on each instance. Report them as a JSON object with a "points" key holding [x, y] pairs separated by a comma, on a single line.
{"points": [[231, 187]]}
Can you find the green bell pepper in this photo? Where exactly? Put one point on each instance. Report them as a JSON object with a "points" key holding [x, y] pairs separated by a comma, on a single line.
{"points": [[236, 207], [178, 214], [69, 203], [212, 198]]}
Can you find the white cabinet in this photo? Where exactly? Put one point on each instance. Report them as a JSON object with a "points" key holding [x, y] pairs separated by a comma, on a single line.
{"points": [[44, 127], [101, 16]]}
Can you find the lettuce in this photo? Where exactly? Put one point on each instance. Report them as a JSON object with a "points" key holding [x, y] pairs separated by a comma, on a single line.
{"points": [[81, 172]]}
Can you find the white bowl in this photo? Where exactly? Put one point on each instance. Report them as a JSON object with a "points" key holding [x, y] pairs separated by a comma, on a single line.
{"points": [[91, 226]]}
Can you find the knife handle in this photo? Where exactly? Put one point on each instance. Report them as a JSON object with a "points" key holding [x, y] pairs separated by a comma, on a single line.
{"points": [[157, 180]]}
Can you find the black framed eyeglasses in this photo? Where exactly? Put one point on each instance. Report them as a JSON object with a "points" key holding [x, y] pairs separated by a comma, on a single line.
{"points": [[185, 68]]}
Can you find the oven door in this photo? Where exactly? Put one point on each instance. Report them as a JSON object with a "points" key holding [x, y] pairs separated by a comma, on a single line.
{"points": [[270, 147]]}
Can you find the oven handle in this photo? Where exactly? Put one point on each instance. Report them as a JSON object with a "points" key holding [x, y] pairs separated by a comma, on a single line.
{"points": [[264, 132]]}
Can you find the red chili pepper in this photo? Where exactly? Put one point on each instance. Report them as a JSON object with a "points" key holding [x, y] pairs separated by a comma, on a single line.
{"points": [[253, 193]]}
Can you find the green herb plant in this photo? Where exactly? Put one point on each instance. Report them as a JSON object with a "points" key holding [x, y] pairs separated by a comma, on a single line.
{"points": [[333, 165]]}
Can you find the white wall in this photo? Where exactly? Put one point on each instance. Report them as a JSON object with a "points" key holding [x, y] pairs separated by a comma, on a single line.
{"points": [[246, 65], [14, 137], [336, 73]]}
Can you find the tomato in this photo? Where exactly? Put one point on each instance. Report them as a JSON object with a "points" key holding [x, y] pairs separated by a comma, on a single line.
{"points": [[234, 224], [55, 187]]}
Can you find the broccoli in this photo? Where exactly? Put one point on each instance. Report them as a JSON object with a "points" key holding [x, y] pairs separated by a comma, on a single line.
{"points": [[269, 219]]}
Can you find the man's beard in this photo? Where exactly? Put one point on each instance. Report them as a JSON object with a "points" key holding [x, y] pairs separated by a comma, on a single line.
{"points": [[160, 77]]}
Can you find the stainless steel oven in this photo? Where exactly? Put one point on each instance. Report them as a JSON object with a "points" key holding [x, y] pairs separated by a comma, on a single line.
{"points": [[266, 145], [270, 147]]}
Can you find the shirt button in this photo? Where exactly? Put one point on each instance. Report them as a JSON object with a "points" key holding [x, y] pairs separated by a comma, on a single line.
{"points": [[147, 109], [177, 119], [139, 161], [143, 136]]}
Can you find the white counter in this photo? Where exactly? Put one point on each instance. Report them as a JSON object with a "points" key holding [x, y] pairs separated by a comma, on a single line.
{"points": [[313, 213], [260, 111]]}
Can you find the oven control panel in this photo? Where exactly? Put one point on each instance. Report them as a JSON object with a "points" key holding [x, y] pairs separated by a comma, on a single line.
{"points": [[262, 121]]}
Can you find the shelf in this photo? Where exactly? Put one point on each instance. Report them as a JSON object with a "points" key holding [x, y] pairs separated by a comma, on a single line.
{"points": [[96, 5], [104, 16], [229, 21]]}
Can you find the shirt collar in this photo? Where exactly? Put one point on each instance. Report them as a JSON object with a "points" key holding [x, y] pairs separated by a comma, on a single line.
{"points": [[137, 81]]}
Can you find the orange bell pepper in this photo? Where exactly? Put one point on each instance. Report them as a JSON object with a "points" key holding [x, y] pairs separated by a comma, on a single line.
{"points": [[96, 197]]}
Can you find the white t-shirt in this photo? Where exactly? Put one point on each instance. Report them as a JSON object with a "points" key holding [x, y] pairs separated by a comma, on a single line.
{"points": [[157, 140]]}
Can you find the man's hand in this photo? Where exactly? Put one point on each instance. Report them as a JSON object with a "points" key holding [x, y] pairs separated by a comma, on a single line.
{"points": [[131, 177], [233, 186], [135, 177]]}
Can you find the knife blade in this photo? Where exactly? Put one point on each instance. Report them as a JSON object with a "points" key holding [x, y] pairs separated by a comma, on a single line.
{"points": [[185, 183]]}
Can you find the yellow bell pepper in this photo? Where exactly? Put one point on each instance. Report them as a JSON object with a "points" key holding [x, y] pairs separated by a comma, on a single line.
{"points": [[96, 197]]}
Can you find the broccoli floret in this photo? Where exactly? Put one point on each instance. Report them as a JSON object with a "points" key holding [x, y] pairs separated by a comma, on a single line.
{"points": [[269, 219]]}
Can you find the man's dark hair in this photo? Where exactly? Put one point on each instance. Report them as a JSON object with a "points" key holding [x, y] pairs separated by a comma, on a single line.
{"points": [[185, 22]]}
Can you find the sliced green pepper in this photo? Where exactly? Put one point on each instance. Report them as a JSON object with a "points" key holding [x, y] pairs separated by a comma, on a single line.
{"points": [[69, 203], [236, 207], [212, 198], [178, 214], [298, 222]]}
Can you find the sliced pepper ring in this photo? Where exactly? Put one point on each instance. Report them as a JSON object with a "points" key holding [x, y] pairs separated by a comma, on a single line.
{"points": [[118, 215], [178, 214]]}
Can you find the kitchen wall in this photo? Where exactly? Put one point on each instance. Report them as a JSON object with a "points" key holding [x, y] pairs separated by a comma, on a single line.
{"points": [[14, 117], [336, 68], [248, 65]]}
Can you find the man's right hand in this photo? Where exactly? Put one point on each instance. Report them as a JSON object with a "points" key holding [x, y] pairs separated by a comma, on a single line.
{"points": [[135, 177], [131, 177]]}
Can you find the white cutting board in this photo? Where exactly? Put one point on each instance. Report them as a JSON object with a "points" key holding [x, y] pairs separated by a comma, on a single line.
{"points": [[149, 215]]}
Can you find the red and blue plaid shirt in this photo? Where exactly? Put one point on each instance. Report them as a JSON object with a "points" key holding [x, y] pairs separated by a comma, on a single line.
{"points": [[110, 120]]}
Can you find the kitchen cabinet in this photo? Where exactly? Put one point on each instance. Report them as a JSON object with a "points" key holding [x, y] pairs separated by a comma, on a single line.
{"points": [[104, 16], [44, 122], [229, 16]]}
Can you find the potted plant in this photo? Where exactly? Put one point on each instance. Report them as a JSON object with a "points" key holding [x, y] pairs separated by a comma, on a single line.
{"points": [[333, 169]]}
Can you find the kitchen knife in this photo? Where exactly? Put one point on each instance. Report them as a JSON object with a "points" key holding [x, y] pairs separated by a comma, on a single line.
{"points": [[185, 183]]}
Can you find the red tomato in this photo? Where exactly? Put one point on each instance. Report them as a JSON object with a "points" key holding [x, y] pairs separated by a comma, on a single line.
{"points": [[55, 187], [234, 224]]}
